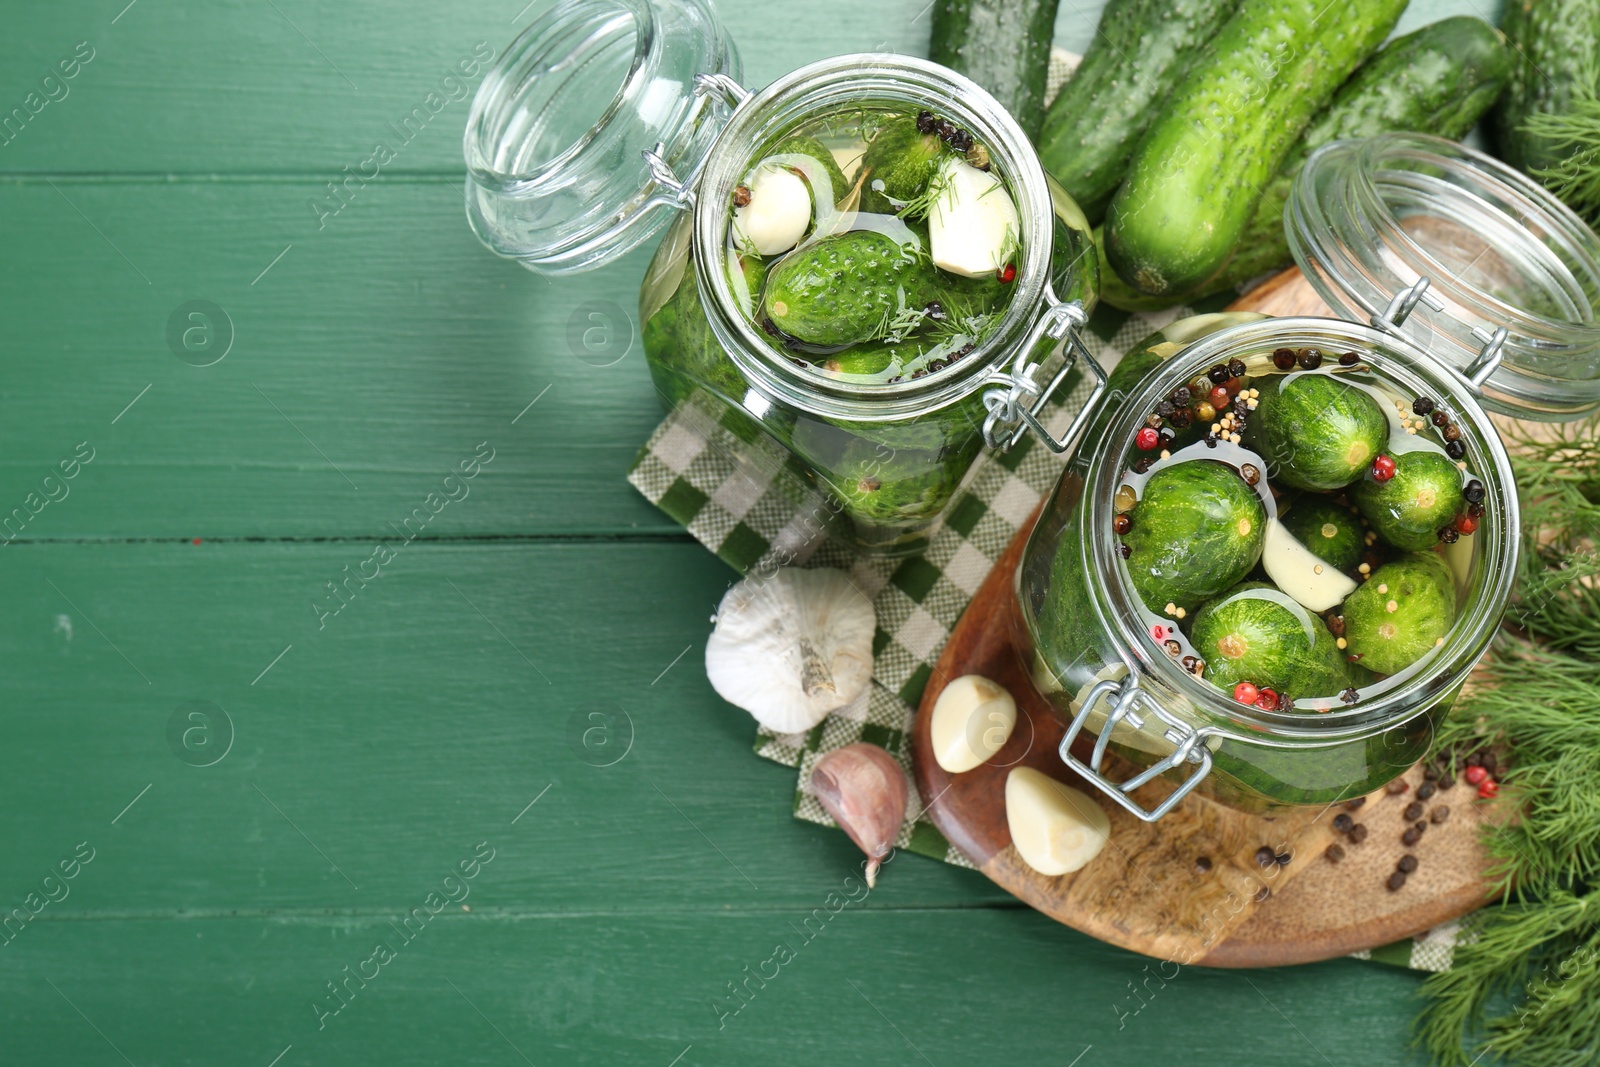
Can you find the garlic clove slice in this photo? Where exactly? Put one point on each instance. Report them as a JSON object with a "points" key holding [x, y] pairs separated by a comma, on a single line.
{"points": [[972, 720], [778, 213], [1055, 828], [1313, 583], [973, 224], [864, 789], [792, 646]]}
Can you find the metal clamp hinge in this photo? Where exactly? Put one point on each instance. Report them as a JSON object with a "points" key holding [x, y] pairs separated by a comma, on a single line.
{"points": [[1404, 303], [679, 192], [1018, 404], [1126, 700], [1492, 345]]}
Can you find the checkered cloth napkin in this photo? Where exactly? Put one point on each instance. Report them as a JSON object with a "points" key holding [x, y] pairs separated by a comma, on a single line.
{"points": [[750, 501]]}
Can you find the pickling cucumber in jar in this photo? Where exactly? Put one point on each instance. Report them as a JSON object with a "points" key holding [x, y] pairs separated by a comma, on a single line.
{"points": [[872, 250]]}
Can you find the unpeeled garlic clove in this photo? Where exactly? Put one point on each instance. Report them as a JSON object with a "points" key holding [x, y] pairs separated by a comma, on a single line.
{"points": [[864, 789], [972, 719], [1055, 828]]}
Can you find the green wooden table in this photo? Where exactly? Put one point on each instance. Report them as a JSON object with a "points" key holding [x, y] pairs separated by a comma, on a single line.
{"points": [[254, 783]]}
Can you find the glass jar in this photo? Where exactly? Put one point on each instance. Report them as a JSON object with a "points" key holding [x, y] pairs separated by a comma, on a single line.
{"points": [[561, 184], [1479, 290]]}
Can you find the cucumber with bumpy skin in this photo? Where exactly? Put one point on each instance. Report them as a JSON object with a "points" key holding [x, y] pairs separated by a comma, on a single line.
{"points": [[1557, 44], [1003, 45], [1138, 55], [1420, 499], [844, 289], [1400, 613], [1258, 635], [1332, 533], [897, 165], [1199, 170], [1196, 530], [1315, 431]]}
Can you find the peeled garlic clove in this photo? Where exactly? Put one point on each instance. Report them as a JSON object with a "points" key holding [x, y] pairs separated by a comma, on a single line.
{"points": [[973, 224], [792, 646], [1056, 828], [972, 719], [1314, 583], [864, 789], [778, 212]]}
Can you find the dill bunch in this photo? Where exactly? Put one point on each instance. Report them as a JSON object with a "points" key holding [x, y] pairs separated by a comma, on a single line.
{"points": [[1539, 701]]}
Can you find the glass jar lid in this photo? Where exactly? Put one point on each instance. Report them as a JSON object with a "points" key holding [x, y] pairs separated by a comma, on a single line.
{"points": [[1368, 219], [555, 143]]}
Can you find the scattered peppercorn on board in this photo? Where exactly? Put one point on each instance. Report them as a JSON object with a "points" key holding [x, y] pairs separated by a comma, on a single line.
{"points": [[1207, 884]]}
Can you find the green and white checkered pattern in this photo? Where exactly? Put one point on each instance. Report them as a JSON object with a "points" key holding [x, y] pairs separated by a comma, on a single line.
{"points": [[751, 502]]}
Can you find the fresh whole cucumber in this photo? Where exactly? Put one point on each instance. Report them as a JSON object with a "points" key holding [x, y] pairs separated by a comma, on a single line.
{"points": [[1140, 51], [1557, 44], [1003, 45], [1198, 171]]}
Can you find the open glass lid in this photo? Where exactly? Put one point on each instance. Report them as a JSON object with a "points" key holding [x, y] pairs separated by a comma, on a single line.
{"points": [[1512, 298], [554, 146]]}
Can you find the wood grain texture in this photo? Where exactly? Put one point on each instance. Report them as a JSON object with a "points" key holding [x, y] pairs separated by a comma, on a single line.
{"points": [[180, 167]]}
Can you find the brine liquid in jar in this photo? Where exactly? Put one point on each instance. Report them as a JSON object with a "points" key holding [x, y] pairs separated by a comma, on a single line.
{"points": [[1298, 531]]}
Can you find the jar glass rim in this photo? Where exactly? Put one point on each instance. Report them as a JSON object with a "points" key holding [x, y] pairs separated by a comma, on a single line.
{"points": [[892, 79], [1477, 619]]}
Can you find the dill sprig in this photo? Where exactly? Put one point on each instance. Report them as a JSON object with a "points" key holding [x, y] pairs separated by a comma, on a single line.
{"points": [[1574, 131], [1538, 702]]}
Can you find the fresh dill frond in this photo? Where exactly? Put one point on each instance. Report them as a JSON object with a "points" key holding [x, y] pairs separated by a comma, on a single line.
{"points": [[921, 205]]}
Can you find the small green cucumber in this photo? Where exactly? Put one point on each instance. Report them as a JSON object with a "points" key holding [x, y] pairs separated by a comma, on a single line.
{"points": [[1196, 531], [1140, 52], [897, 165], [1422, 498], [1314, 431], [1197, 173], [1400, 613], [1256, 634], [1335, 534], [845, 288]]}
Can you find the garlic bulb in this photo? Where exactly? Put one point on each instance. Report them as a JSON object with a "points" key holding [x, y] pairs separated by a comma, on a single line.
{"points": [[864, 789], [791, 647], [1056, 829]]}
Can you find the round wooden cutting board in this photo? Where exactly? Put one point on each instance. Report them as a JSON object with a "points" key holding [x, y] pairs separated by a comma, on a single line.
{"points": [[1189, 888]]}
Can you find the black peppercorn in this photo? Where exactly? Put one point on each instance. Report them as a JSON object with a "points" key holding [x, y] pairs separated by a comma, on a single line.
{"points": [[1429, 773], [1283, 358], [1449, 535], [1218, 374], [1181, 396], [1475, 759], [1142, 465], [1448, 781], [1283, 859], [1124, 550], [1210, 440], [1413, 811], [1407, 864], [1352, 805], [1439, 814], [1335, 625], [1396, 787], [926, 122], [1309, 359], [1343, 822], [1410, 837], [1350, 696], [937, 364], [1202, 864], [1422, 405], [1236, 368], [961, 141], [1475, 510], [1181, 418], [741, 196], [1334, 852], [935, 311], [1441, 418], [1167, 435], [944, 128], [1262, 894], [1452, 432], [1349, 359], [1396, 881], [1426, 789], [920, 372], [1265, 857], [1166, 408], [1489, 763], [1473, 491], [1358, 833]]}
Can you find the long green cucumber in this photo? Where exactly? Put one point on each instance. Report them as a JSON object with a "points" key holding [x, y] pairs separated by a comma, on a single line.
{"points": [[1139, 53], [1440, 79], [1557, 43], [1003, 45], [1199, 169]]}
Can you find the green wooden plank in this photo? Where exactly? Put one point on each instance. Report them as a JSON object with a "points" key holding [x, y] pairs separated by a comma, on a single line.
{"points": [[366, 364], [857, 987], [416, 721], [299, 86]]}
